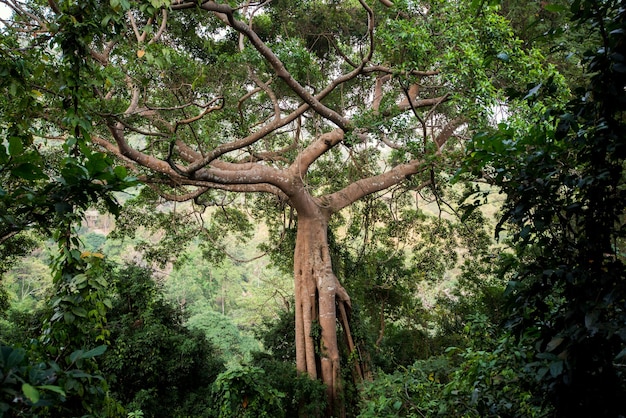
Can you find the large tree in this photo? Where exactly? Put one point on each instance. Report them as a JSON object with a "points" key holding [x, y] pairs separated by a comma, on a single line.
{"points": [[318, 104]]}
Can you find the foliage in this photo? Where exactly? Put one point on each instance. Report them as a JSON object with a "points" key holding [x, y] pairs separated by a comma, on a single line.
{"points": [[564, 210], [11, 250], [48, 188], [303, 397], [58, 370], [233, 344], [154, 363], [415, 391], [74, 332], [484, 379], [40, 388], [547, 27], [29, 282], [277, 335], [246, 392], [80, 302]]}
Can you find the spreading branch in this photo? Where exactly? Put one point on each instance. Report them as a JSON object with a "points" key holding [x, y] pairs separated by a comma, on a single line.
{"points": [[366, 186]]}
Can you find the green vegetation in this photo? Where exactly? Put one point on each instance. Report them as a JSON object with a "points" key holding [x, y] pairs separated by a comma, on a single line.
{"points": [[312, 209]]}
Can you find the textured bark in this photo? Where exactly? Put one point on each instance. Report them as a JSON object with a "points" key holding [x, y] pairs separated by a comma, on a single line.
{"points": [[316, 287], [318, 293]]}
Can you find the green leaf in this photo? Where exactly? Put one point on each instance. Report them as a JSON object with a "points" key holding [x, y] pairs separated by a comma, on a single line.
{"points": [[96, 163], [76, 355], [68, 317], [28, 171], [80, 312], [15, 146], [80, 278], [106, 19], [15, 357], [120, 172], [99, 350], [52, 388], [30, 392], [554, 8]]}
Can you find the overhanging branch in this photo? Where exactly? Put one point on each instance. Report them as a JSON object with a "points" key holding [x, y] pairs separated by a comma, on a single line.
{"points": [[361, 188]]}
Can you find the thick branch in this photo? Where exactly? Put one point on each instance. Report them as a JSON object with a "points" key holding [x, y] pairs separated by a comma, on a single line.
{"points": [[103, 57], [378, 91], [140, 158], [357, 190], [315, 150], [238, 188], [448, 131], [242, 173], [256, 176], [247, 141], [159, 33], [424, 102]]}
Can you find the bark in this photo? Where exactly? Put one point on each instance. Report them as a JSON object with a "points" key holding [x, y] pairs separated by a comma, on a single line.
{"points": [[318, 292]]}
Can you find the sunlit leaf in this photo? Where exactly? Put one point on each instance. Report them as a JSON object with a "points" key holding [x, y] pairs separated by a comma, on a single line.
{"points": [[30, 392]]}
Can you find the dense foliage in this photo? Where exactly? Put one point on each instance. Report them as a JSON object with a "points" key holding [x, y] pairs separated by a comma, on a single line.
{"points": [[362, 111], [154, 363], [564, 211]]}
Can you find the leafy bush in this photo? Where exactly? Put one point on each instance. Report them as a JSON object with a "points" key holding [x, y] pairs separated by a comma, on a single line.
{"points": [[486, 379], [39, 388], [413, 392], [303, 397], [246, 392]]}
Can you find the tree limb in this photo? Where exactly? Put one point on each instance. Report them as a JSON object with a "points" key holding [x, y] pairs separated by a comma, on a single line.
{"points": [[311, 153], [357, 190]]}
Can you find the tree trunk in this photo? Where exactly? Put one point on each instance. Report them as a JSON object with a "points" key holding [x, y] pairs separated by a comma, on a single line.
{"points": [[317, 292]]}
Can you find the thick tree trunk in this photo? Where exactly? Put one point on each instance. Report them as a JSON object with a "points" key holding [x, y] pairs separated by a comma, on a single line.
{"points": [[317, 293]]}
